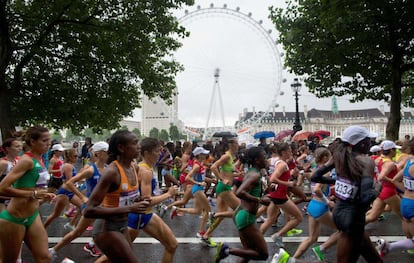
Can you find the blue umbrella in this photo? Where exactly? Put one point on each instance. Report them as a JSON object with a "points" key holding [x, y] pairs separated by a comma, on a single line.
{"points": [[264, 134]]}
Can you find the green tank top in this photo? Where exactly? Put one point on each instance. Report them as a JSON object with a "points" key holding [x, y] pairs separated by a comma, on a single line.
{"points": [[257, 190], [228, 167], [36, 177]]}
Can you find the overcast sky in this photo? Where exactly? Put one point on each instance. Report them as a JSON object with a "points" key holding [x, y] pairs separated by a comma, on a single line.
{"points": [[248, 71]]}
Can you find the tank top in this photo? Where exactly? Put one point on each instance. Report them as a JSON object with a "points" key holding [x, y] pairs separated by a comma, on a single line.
{"points": [[272, 163], [281, 190], [407, 178], [391, 175], [257, 190], [153, 180], [36, 177], [57, 166], [126, 192], [229, 166], [325, 192], [74, 172], [199, 177], [92, 181], [10, 165]]}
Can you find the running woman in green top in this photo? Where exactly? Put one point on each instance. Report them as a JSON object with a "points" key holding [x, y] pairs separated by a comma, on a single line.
{"points": [[224, 169], [250, 193], [21, 220]]}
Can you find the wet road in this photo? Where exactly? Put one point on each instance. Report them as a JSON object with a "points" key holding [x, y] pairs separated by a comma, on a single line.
{"points": [[190, 250]]}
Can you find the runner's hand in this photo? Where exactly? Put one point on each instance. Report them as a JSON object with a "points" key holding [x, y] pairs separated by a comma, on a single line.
{"points": [[140, 206], [173, 190]]}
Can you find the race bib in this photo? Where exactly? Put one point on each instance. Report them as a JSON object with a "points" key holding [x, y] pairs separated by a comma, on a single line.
{"points": [[408, 183], [44, 177], [345, 190], [127, 198]]}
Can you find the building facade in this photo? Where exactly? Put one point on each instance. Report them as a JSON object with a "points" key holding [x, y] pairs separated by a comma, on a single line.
{"points": [[374, 119]]}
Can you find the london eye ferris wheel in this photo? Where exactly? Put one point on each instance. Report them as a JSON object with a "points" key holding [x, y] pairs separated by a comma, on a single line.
{"points": [[231, 64]]}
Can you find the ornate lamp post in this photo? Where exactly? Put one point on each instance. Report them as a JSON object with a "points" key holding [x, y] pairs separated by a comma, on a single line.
{"points": [[296, 85]]}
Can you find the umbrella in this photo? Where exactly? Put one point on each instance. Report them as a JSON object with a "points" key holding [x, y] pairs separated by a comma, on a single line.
{"points": [[264, 134], [224, 134], [283, 134], [322, 134], [302, 135]]}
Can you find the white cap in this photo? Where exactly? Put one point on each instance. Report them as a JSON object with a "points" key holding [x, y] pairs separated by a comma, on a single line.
{"points": [[375, 148], [355, 134], [388, 145], [100, 146], [58, 147], [200, 150], [249, 145]]}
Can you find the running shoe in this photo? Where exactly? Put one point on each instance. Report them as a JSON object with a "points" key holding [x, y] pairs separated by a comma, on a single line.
{"points": [[67, 260], [277, 239], [68, 227], [163, 210], [381, 247], [222, 252], [53, 255], [318, 253], [260, 219], [92, 250], [294, 232], [281, 256], [173, 212], [70, 212], [211, 219], [200, 234], [208, 241]]}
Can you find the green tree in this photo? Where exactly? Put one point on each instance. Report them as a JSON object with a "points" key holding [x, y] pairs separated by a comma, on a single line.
{"points": [[154, 133], [174, 133], [164, 135], [137, 132], [79, 64], [361, 48]]}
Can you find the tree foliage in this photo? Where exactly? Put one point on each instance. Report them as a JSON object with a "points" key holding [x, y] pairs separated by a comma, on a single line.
{"points": [[174, 133], [154, 133], [79, 64], [137, 132], [164, 135], [361, 48]]}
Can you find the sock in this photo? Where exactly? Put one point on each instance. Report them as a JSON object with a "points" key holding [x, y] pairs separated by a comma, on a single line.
{"points": [[19, 261], [401, 245], [321, 248], [291, 260]]}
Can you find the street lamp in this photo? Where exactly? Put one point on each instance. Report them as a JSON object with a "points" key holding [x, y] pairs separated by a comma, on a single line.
{"points": [[296, 85]]}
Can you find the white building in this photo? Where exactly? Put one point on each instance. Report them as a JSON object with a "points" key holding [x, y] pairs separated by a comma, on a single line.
{"points": [[156, 113], [374, 119]]}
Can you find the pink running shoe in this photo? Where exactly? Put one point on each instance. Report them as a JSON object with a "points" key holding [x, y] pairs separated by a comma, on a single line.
{"points": [[92, 250]]}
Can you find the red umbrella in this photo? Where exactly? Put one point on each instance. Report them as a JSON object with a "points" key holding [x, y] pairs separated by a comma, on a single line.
{"points": [[302, 135], [283, 134], [322, 134]]}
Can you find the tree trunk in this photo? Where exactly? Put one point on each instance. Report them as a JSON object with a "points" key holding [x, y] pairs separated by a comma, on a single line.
{"points": [[393, 125], [6, 123]]}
